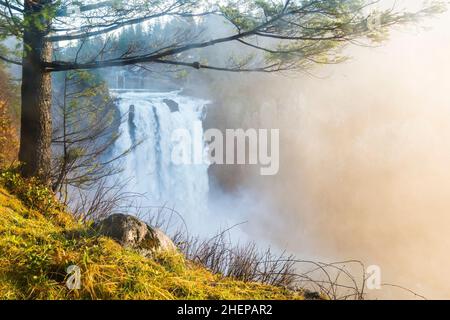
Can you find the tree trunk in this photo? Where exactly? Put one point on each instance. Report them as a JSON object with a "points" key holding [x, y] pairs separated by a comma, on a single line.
{"points": [[36, 126]]}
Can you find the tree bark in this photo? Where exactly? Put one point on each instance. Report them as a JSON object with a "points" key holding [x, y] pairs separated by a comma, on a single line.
{"points": [[36, 126]]}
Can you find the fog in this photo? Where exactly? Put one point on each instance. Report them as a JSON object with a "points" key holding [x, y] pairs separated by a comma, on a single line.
{"points": [[365, 153]]}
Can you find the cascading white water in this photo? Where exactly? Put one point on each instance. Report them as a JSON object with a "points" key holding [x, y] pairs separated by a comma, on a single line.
{"points": [[149, 122]]}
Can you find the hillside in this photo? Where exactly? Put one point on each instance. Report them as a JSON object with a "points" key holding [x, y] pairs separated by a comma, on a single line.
{"points": [[38, 241]]}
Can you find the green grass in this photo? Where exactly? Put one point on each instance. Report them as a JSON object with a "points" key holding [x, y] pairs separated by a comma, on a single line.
{"points": [[36, 247]]}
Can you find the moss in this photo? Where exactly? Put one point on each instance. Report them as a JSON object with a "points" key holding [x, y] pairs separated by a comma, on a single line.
{"points": [[36, 248]]}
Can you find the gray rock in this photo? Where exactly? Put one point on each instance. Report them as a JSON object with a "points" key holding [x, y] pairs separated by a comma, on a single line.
{"points": [[173, 106], [131, 124], [133, 233]]}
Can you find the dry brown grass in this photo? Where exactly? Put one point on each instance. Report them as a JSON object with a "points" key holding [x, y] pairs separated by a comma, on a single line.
{"points": [[9, 128]]}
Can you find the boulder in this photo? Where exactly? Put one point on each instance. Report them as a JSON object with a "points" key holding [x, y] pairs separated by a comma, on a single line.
{"points": [[173, 106], [133, 233], [131, 123]]}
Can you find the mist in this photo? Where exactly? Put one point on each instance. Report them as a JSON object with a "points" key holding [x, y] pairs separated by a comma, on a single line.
{"points": [[365, 152]]}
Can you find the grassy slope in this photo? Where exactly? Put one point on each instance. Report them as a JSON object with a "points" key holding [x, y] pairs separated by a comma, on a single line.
{"points": [[36, 248]]}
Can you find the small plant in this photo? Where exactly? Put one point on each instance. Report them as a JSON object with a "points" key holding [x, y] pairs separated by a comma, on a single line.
{"points": [[33, 194]]}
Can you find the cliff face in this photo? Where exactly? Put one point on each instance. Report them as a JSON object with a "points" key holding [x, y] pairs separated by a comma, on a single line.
{"points": [[39, 243]]}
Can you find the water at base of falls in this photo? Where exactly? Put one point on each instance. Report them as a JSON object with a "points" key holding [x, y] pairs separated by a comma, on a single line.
{"points": [[149, 120]]}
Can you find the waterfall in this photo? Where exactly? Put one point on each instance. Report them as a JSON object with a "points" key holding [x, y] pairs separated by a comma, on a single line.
{"points": [[149, 119]]}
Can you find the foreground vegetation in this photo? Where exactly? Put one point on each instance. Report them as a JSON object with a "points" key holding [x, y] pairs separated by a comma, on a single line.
{"points": [[39, 240]]}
